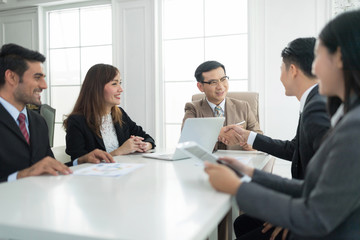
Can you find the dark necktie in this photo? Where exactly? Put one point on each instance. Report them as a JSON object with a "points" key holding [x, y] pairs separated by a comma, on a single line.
{"points": [[22, 125]]}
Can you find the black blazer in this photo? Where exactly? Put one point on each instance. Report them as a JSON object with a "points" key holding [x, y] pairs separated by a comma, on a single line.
{"points": [[15, 153], [80, 139], [314, 122]]}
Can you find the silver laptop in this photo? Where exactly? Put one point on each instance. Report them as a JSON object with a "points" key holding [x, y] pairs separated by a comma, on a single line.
{"points": [[203, 131]]}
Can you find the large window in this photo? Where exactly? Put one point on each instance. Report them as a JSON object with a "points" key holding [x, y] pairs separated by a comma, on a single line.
{"points": [[195, 31], [77, 38]]}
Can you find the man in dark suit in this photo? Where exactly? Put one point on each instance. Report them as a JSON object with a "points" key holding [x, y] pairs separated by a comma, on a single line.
{"points": [[314, 121], [24, 143]]}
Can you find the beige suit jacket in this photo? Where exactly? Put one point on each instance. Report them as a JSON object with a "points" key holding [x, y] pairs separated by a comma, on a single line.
{"points": [[235, 112]]}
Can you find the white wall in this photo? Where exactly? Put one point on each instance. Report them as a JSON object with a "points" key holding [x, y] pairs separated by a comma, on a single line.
{"points": [[26, 20], [133, 48], [275, 23]]}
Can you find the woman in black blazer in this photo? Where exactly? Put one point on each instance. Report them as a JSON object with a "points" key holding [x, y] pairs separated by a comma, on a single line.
{"points": [[97, 122]]}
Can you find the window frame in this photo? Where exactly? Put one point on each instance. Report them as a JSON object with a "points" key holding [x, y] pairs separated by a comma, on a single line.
{"points": [[44, 40], [161, 123]]}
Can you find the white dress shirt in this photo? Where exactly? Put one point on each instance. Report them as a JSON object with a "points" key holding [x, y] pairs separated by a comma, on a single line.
{"points": [[222, 105]]}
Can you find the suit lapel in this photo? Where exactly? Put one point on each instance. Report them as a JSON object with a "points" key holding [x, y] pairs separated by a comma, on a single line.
{"points": [[206, 109], [311, 94], [229, 114], [9, 122]]}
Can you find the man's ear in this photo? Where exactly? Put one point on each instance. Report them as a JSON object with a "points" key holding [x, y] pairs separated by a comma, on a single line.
{"points": [[293, 70], [338, 58], [200, 86], [11, 77]]}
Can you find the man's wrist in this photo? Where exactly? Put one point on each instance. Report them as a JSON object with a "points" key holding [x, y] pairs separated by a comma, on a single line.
{"points": [[81, 159], [251, 138], [21, 174]]}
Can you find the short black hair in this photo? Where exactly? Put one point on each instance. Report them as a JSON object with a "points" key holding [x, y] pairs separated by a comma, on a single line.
{"points": [[206, 67], [14, 57], [300, 52]]}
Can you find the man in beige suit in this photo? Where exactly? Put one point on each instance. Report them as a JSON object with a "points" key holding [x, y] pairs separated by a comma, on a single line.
{"points": [[212, 80]]}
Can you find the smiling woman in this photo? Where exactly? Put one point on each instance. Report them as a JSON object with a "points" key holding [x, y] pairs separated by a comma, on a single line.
{"points": [[97, 122]]}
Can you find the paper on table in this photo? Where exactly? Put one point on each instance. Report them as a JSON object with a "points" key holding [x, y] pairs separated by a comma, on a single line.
{"points": [[108, 169]]}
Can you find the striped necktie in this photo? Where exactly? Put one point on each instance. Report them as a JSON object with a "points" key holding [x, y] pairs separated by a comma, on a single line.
{"points": [[22, 125], [218, 111]]}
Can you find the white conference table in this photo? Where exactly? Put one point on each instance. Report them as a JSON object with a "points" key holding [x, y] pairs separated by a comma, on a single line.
{"points": [[161, 200]]}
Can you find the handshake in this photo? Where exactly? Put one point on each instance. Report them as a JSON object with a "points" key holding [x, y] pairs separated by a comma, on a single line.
{"points": [[235, 135]]}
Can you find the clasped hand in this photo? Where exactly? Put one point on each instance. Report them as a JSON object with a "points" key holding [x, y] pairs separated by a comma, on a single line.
{"points": [[133, 144], [235, 135]]}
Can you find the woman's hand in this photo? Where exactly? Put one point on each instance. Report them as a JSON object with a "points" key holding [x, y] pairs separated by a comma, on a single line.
{"points": [[145, 146], [238, 165], [222, 178], [133, 144]]}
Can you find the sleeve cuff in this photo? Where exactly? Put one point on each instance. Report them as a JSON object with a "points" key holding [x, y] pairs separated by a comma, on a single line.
{"points": [[246, 179], [75, 162], [251, 138], [12, 177]]}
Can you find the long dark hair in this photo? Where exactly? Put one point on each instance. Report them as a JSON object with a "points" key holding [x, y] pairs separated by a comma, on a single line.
{"points": [[344, 32], [91, 101]]}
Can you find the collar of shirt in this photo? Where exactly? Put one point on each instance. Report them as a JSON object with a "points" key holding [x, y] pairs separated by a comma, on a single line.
{"points": [[304, 97], [13, 111], [336, 117], [222, 105]]}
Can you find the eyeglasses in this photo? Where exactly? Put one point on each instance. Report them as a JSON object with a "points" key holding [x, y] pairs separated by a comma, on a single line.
{"points": [[214, 82]]}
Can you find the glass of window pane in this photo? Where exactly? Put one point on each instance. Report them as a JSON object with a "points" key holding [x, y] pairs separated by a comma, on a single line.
{"points": [[96, 25], [183, 18], [175, 102], [65, 66], [181, 58], [63, 100], [225, 17], [94, 55], [172, 135], [232, 51], [59, 135], [64, 28]]}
